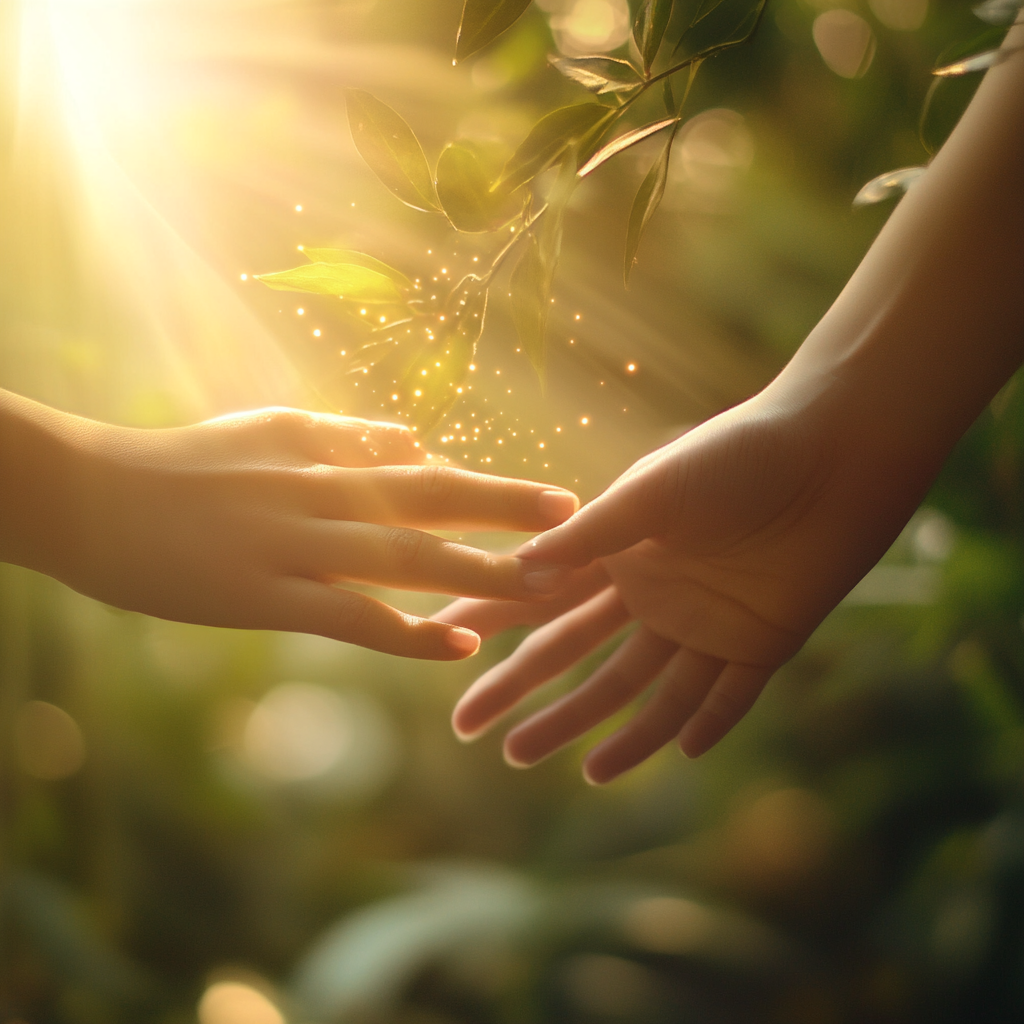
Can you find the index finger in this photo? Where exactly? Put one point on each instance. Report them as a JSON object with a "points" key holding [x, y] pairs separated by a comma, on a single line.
{"points": [[434, 497]]}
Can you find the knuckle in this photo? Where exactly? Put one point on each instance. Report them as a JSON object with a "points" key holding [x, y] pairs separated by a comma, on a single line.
{"points": [[437, 483], [354, 613], [286, 425], [402, 547]]}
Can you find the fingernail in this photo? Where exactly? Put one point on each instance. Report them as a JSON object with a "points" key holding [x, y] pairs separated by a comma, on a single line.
{"points": [[545, 579], [526, 550], [465, 641], [556, 506]]}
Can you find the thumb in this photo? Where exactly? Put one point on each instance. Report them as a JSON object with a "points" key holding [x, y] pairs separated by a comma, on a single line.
{"points": [[627, 513]]}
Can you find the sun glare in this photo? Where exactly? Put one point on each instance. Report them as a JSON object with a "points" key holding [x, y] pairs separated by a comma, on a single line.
{"points": [[140, 148]]}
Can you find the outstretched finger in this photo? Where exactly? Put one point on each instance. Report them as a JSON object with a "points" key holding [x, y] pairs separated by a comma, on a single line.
{"points": [[488, 618], [631, 510], [441, 497], [390, 556], [622, 677], [305, 606], [731, 697], [683, 686], [543, 655]]}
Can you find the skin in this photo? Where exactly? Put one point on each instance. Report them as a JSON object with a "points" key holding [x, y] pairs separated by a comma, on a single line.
{"points": [[250, 520], [730, 545]]}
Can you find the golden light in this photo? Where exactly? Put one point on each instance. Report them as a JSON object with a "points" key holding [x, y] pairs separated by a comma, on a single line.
{"points": [[845, 42], [117, 131], [234, 1002]]}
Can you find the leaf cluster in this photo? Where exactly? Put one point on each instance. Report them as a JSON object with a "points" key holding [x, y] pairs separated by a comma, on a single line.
{"points": [[481, 189]]}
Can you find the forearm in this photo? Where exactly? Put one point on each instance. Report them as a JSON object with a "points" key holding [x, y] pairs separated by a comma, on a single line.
{"points": [[931, 325]]}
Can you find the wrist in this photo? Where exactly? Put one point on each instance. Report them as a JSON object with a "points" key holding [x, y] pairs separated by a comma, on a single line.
{"points": [[41, 474]]}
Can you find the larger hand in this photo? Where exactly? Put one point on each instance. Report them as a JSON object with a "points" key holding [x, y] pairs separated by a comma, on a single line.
{"points": [[732, 544]]}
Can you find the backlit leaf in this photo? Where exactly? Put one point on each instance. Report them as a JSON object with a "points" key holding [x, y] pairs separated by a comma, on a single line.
{"points": [[549, 139], [599, 75], [464, 188], [342, 280], [649, 26], [483, 21], [648, 198], [436, 378], [889, 184], [391, 149], [719, 25], [977, 62], [530, 301], [550, 233], [534, 274], [359, 259], [705, 8], [997, 12], [623, 142]]}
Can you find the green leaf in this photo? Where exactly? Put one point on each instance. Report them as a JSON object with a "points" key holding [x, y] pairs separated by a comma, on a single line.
{"points": [[436, 378], [599, 75], [648, 198], [483, 21], [997, 12], [669, 97], [704, 8], [464, 188], [549, 138], [649, 29], [534, 274], [720, 25], [550, 234], [359, 259], [977, 62], [343, 280], [529, 290], [391, 149], [623, 142], [892, 183]]}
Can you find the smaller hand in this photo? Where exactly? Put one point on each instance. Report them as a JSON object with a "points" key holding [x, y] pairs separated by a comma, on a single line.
{"points": [[249, 521], [726, 547]]}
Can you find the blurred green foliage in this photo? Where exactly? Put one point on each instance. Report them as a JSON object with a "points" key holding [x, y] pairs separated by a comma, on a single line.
{"points": [[853, 852]]}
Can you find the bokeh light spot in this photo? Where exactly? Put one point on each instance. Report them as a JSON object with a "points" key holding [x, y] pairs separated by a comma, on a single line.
{"points": [[233, 1002], [47, 740]]}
